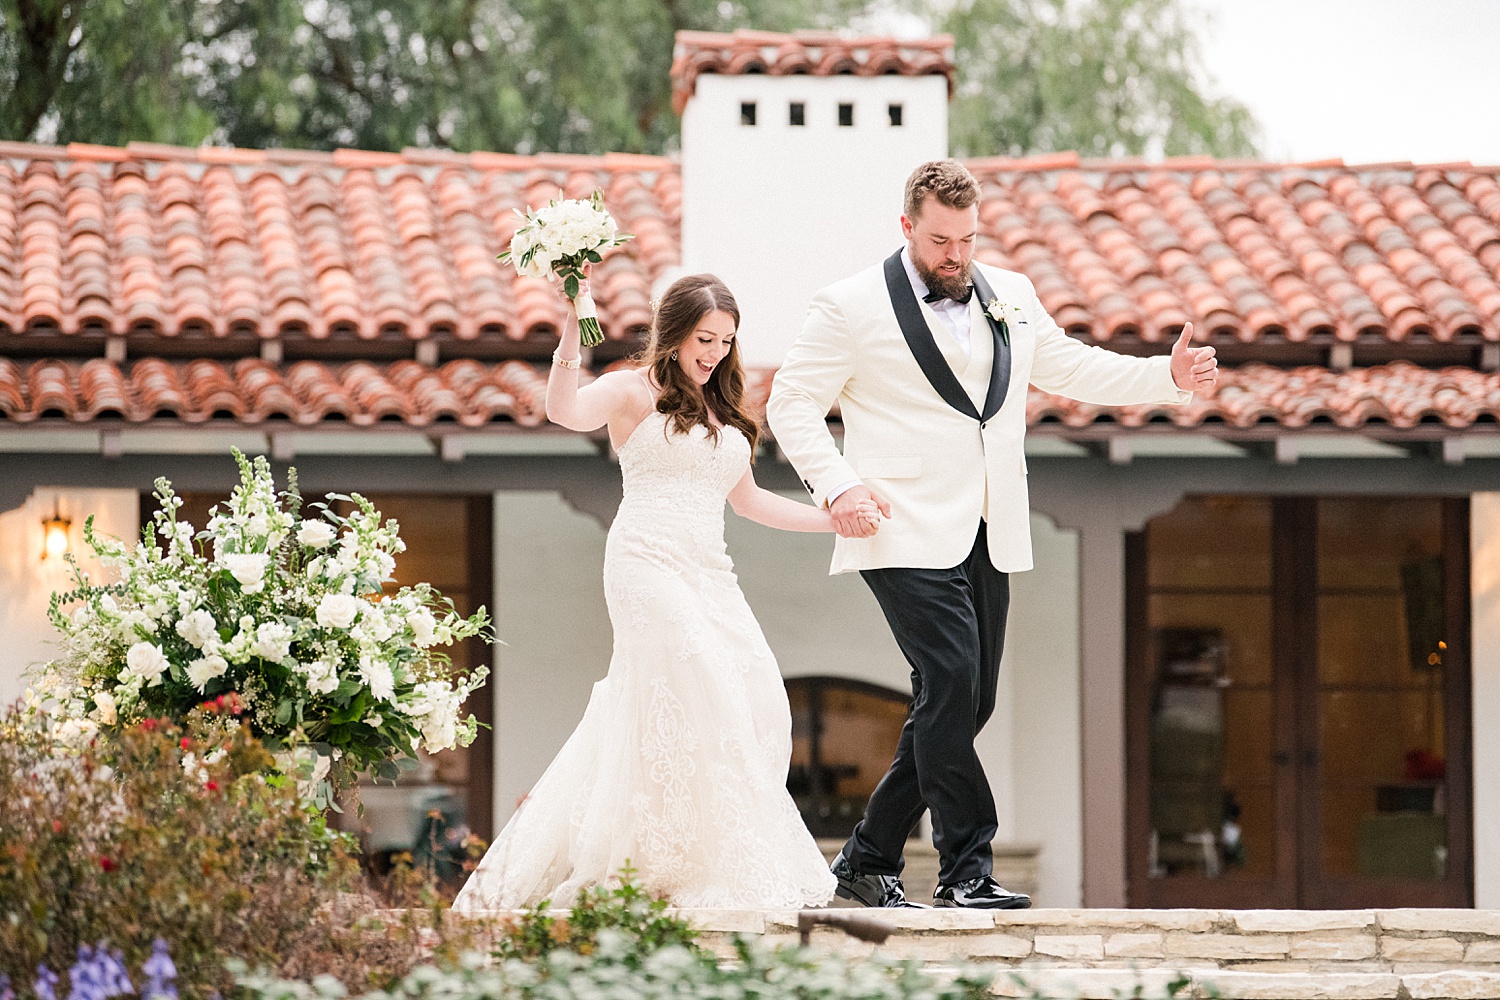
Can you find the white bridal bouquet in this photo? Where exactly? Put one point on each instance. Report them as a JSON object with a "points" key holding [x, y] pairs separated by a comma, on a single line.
{"points": [[562, 239], [284, 617]]}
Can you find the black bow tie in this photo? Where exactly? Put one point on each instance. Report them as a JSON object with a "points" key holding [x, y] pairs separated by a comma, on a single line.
{"points": [[932, 297]]}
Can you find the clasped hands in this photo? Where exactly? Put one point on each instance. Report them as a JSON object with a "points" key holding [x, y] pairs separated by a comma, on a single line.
{"points": [[857, 512]]}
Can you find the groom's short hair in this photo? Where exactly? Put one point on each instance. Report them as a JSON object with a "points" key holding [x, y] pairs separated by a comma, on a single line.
{"points": [[946, 180]]}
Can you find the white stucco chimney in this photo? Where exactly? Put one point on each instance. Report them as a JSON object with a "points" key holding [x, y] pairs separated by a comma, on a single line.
{"points": [[795, 149]]}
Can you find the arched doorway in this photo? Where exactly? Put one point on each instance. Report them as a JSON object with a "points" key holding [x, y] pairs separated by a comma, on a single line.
{"points": [[844, 735]]}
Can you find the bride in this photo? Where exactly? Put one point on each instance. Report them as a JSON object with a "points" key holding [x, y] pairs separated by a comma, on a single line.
{"points": [[679, 765]]}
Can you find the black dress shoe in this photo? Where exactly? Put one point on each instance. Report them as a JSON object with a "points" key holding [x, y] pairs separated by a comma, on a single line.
{"points": [[982, 893], [870, 890]]}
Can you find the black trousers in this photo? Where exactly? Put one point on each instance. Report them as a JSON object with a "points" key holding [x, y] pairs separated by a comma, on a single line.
{"points": [[950, 625]]}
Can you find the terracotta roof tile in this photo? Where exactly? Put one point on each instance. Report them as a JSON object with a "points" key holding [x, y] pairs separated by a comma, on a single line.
{"points": [[251, 391], [402, 245], [814, 53], [164, 240], [1397, 396]]}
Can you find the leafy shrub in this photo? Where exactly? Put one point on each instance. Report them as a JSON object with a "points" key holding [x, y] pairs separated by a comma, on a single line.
{"points": [[625, 908], [178, 833]]}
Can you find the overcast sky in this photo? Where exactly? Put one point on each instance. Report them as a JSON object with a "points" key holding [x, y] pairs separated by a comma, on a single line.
{"points": [[1365, 80]]}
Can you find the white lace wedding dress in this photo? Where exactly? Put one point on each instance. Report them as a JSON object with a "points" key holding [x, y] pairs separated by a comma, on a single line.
{"points": [[679, 765]]}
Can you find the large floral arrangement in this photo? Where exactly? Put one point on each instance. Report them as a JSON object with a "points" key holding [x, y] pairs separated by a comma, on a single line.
{"points": [[287, 615]]}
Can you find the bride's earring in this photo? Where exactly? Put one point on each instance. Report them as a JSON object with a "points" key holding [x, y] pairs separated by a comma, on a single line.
{"points": [[674, 355]]}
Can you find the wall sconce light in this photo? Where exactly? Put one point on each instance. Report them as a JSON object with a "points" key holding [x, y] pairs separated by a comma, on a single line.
{"points": [[55, 534]]}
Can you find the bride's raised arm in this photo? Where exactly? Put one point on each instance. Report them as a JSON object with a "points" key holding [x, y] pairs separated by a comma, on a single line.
{"points": [[588, 408]]}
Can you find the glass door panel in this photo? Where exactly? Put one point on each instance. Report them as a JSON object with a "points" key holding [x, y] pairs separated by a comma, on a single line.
{"points": [[1210, 709], [1380, 689]]}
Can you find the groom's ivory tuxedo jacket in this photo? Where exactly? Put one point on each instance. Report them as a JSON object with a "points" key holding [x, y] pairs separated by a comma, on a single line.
{"points": [[940, 469]]}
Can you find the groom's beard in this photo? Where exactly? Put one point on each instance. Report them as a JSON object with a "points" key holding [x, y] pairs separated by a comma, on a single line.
{"points": [[954, 286]]}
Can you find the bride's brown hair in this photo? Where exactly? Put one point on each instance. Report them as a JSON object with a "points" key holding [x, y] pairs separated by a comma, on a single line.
{"points": [[686, 302]]}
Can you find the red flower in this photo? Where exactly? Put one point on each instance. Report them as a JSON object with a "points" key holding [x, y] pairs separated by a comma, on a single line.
{"points": [[57, 826], [212, 786], [186, 743], [106, 864], [149, 725]]}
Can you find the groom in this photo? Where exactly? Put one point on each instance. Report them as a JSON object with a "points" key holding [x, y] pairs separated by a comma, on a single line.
{"points": [[928, 356]]}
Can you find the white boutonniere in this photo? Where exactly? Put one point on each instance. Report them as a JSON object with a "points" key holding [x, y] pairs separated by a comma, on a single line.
{"points": [[996, 310]]}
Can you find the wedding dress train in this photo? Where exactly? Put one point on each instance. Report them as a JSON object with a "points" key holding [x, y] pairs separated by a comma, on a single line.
{"points": [[679, 765]]}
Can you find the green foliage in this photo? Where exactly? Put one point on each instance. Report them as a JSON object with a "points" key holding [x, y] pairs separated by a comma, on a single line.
{"points": [[1103, 77], [624, 908], [587, 76], [174, 833], [616, 971]]}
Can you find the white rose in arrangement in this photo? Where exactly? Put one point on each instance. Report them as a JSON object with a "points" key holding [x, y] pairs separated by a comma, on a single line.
{"points": [[105, 710], [315, 534], [338, 610], [205, 669], [146, 661], [248, 568], [197, 627]]}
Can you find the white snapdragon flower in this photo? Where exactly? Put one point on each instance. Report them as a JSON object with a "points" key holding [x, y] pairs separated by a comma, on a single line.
{"points": [[273, 640], [147, 662], [197, 627], [132, 623], [205, 669], [337, 610], [106, 712], [378, 677], [434, 710], [322, 676], [315, 534], [249, 568], [423, 627]]}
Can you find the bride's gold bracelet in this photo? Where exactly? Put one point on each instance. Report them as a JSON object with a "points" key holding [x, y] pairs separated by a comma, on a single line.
{"points": [[562, 362]]}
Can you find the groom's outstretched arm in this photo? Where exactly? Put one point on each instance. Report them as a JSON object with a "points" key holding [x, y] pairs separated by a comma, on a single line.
{"points": [[817, 367]]}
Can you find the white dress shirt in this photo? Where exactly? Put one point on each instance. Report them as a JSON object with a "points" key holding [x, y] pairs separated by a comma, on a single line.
{"points": [[954, 314]]}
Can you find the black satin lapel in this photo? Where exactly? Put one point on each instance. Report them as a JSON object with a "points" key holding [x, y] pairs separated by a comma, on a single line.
{"points": [[1000, 369], [919, 338]]}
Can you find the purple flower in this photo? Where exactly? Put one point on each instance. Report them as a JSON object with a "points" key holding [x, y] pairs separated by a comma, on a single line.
{"points": [[46, 983], [160, 973], [6, 993], [85, 977], [115, 976]]}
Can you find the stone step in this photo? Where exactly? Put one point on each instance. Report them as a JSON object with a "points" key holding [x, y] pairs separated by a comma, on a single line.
{"points": [[1249, 954]]}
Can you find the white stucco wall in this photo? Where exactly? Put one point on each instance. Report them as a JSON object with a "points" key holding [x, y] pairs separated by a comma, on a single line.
{"points": [[1484, 514], [779, 211], [27, 581], [549, 608]]}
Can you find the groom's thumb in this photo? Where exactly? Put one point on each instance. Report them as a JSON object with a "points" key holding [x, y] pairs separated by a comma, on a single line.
{"points": [[1186, 340]]}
